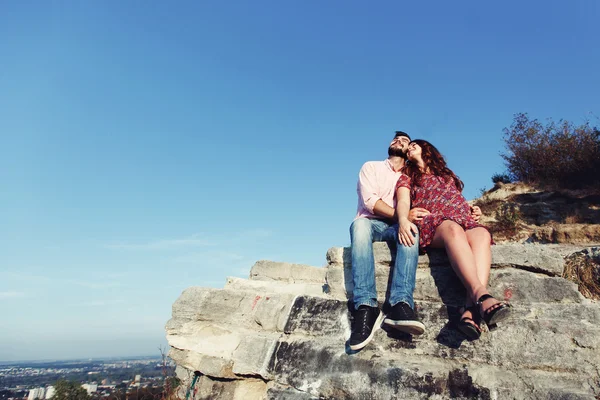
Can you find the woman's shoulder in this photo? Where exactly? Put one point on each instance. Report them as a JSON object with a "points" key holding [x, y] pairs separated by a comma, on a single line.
{"points": [[404, 181]]}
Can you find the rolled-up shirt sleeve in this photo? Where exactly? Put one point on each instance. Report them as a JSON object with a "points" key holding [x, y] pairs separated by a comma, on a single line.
{"points": [[367, 187]]}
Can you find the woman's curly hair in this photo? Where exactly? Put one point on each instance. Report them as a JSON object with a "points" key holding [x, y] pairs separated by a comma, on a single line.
{"points": [[434, 161]]}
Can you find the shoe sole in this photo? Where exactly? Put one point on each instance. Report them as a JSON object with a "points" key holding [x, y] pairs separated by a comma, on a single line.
{"points": [[469, 331], [376, 327], [412, 327], [500, 315]]}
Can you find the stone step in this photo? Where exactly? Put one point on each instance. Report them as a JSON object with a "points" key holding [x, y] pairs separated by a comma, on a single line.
{"points": [[561, 335], [240, 308], [555, 331], [399, 382], [282, 335], [265, 270], [534, 257], [436, 282], [265, 287], [322, 370], [442, 284], [321, 367], [222, 351], [286, 312]]}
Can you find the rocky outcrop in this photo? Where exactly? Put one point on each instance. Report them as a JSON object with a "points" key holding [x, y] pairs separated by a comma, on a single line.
{"points": [[281, 334], [517, 212]]}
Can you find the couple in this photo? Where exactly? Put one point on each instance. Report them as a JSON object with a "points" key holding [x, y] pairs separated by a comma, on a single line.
{"points": [[416, 174]]}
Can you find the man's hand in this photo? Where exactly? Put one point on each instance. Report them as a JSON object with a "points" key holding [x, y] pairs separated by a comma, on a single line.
{"points": [[417, 214], [475, 213]]}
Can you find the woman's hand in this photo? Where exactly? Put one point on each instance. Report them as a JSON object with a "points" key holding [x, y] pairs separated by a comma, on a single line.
{"points": [[476, 213], [407, 232]]}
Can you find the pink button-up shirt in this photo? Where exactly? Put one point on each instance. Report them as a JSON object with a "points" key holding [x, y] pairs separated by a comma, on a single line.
{"points": [[376, 181]]}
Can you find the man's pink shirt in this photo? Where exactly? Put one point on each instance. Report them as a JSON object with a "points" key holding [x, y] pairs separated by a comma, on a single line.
{"points": [[376, 181]]}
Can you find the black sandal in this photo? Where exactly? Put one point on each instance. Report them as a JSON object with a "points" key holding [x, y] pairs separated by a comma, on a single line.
{"points": [[470, 329], [494, 313]]}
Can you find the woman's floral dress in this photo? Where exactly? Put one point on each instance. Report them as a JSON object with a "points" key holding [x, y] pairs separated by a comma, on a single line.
{"points": [[443, 200]]}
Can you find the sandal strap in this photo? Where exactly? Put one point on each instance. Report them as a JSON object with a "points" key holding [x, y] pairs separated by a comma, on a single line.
{"points": [[484, 298], [474, 309], [499, 304], [474, 324], [488, 314]]}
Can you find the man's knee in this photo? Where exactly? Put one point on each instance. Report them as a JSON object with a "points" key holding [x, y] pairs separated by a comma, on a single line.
{"points": [[408, 251], [361, 228]]}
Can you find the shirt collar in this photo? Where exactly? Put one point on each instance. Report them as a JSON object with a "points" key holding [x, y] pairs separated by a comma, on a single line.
{"points": [[390, 166]]}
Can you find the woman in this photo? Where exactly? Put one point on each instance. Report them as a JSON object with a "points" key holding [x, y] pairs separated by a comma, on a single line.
{"points": [[427, 182]]}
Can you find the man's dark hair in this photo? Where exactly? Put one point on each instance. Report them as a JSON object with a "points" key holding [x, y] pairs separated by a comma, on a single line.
{"points": [[397, 152], [400, 133]]}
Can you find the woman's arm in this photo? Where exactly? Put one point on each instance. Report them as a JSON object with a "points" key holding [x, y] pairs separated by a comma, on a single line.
{"points": [[406, 229]]}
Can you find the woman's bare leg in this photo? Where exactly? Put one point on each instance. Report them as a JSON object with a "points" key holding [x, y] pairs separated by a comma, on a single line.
{"points": [[453, 238], [480, 242]]}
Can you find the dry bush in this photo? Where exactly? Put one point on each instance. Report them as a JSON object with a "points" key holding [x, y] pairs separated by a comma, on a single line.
{"points": [[555, 155], [502, 178], [488, 207], [508, 218], [585, 273], [171, 382], [574, 217]]}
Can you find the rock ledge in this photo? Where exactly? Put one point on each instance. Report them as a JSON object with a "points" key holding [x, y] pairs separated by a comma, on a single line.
{"points": [[281, 334]]}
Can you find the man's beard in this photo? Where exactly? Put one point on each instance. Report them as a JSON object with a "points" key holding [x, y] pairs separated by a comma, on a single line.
{"points": [[396, 152]]}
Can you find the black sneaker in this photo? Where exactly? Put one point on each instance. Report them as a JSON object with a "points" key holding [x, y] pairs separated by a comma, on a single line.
{"points": [[403, 318], [365, 322]]}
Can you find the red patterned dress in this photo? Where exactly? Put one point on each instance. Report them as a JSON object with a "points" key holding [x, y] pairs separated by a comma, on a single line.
{"points": [[442, 199]]}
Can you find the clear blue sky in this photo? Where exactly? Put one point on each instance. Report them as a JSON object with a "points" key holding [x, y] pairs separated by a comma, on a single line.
{"points": [[149, 146]]}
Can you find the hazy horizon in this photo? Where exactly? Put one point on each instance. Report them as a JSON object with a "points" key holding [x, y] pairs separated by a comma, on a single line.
{"points": [[60, 360]]}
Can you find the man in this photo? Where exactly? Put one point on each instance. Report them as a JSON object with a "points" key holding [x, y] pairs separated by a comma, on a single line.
{"points": [[375, 222]]}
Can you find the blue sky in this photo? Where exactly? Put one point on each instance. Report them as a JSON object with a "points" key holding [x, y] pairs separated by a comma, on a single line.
{"points": [[151, 146]]}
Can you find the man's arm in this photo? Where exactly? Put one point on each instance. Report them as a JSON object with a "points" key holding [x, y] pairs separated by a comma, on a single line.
{"points": [[383, 210], [372, 200], [369, 193], [415, 214]]}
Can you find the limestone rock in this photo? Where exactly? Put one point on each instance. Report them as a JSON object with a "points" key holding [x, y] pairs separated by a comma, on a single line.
{"points": [[206, 388], [286, 272], [567, 233], [533, 257], [282, 334], [562, 216], [503, 191]]}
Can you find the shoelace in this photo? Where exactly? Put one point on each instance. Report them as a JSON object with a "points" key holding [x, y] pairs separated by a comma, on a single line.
{"points": [[404, 312], [363, 318]]}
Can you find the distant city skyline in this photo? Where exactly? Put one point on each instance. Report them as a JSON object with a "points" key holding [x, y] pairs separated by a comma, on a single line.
{"points": [[83, 359], [150, 147], [103, 377]]}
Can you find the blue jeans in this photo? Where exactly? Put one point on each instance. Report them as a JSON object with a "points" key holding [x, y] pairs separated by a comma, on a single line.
{"points": [[365, 231]]}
